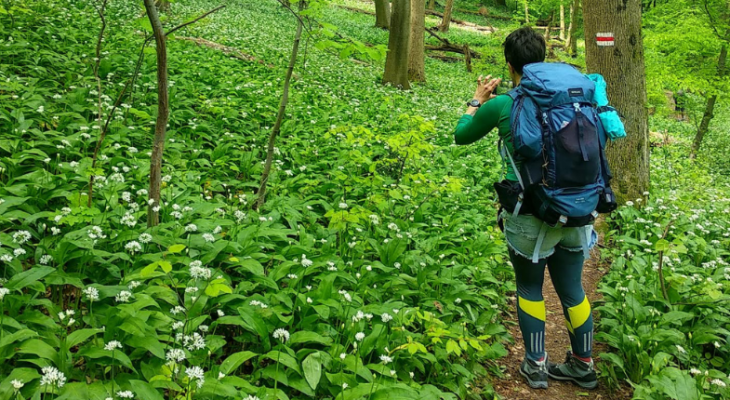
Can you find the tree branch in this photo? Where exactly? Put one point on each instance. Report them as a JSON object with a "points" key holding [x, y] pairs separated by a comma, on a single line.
{"points": [[193, 21]]}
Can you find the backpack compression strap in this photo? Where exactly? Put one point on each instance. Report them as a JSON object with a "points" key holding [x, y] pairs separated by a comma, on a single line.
{"points": [[521, 197]]}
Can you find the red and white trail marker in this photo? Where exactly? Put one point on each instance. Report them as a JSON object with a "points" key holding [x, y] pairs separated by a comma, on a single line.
{"points": [[605, 39]]}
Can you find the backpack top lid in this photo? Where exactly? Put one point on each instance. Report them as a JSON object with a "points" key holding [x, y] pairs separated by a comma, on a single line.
{"points": [[555, 84]]}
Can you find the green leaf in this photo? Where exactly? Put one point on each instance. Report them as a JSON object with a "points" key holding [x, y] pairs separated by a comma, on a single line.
{"points": [[285, 359], [39, 348], [79, 336], [26, 278], [145, 391], [312, 369], [176, 248], [309, 337], [165, 265], [453, 347], [662, 245], [18, 336], [235, 360]]}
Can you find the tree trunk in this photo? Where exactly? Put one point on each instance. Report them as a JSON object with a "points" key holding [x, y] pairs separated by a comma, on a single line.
{"points": [[282, 110], [562, 20], [396, 64], [710, 108], [623, 67], [446, 22], [163, 114], [382, 14], [527, 13], [417, 53], [432, 5], [163, 5], [572, 39]]}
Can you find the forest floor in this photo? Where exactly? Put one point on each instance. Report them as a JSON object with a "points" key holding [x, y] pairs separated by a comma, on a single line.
{"points": [[513, 386]]}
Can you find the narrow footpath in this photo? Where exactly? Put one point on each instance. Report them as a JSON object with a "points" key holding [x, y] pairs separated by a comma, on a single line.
{"points": [[557, 343]]}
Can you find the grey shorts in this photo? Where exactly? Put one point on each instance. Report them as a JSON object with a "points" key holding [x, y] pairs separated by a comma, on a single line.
{"points": [[533, 239]]}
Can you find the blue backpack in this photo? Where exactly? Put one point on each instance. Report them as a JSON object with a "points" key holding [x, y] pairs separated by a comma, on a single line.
{"points": [[559, 141]]}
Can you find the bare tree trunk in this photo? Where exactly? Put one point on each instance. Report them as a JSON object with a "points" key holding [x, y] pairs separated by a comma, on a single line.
{"points": [[446, 22], [623, 67], [417, 53], [432, 5], [527, 13], [572, 39], [396, 64], [163, 114], [280, 116], [382, 14], [710, 108], [562, 20]]}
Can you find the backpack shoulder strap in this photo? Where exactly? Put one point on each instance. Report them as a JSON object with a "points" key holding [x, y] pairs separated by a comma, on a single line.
{"points": [[515, 93]]}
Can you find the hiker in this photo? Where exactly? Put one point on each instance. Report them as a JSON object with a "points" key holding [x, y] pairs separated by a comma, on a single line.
{"points": [[561, 242]]}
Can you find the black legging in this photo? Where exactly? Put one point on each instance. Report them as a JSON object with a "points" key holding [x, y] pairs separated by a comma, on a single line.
{"points": [[566, 270]]}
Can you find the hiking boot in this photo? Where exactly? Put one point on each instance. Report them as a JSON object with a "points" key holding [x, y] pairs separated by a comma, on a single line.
{"points": [[574, 370], [535, 372]]}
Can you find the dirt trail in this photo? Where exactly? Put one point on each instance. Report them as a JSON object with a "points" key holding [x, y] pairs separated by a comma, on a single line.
{"points": [[513, 385]]}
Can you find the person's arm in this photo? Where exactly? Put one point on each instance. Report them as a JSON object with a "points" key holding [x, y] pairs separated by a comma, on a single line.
{"points": [[478, 121]]}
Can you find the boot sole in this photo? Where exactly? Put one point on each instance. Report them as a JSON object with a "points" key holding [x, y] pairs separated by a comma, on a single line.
{"points": [[584, 385], [534, 385]]}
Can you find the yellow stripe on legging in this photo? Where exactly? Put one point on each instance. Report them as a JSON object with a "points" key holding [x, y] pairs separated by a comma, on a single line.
{"points": [[579, 315], [533, 308]]}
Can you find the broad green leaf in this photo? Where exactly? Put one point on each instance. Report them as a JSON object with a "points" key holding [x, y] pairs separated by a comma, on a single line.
{"points": [[26, 278], [176, 248], [18, 336], [309, 337], [285, 359], [235, 360], [312, 369], [145, 391], [79, 336]]}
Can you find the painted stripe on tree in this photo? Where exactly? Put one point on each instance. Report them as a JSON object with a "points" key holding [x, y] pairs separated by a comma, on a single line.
{"points": [[605, 39]]}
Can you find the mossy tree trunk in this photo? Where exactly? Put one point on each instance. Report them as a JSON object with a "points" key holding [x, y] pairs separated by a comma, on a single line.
{"points": [[417, 55], [396, 64], [446, 22], [572, 45], [163, 114], [382, 14], [623, 67], [710, 107]]}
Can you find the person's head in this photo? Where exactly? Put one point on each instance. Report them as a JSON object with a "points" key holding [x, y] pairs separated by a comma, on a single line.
{"points": [[523, 46]]}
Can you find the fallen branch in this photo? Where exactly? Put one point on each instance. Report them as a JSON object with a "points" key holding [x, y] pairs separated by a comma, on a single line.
{"points": [[450, 47], [355, 9], [231, 51], [446, 58], [462, 22]]}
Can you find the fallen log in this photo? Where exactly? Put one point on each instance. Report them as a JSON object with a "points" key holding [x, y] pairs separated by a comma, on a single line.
{"points": [[231, 51], [446, 58], [355, 9], [450, 47], [453, 49], [462, 22]]}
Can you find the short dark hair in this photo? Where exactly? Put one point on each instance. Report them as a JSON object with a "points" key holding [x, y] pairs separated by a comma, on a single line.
{"points": [[524, 46]]}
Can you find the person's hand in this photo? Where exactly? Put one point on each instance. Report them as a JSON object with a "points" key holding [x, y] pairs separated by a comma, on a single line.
{"points": [[485, 88]]}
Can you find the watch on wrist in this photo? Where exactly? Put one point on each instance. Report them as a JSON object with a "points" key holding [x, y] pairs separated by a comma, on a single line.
{"points": [[474, 103]]}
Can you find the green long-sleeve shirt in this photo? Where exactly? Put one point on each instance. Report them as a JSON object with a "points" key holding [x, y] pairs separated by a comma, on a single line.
{"points": [[493, 114]]}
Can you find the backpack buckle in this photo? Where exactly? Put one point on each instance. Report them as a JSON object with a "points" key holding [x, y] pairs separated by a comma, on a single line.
{"points": [[594, 214], [562, 220], [577, 107]]}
